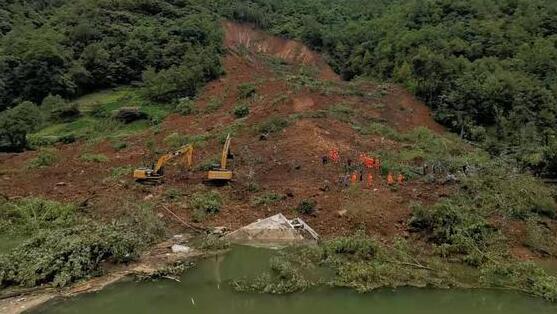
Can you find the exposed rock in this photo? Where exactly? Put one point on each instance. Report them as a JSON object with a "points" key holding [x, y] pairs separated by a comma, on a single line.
{"points": [[177, 248], [129, 114], [220, 231], [274, 230], [342, 213]]}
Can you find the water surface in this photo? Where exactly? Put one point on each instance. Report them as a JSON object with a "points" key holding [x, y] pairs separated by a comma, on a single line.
{"points": [[204, 290]]}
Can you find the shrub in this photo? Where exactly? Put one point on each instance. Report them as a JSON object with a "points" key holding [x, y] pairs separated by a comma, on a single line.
{"points": [[523, 276], [57, 108], [306, 207], [246, 90], [455, 229], [172, 194], [272, 125], [499, 189], [32, 214], [119, 145], [17, 122], [358, 246], [89, 157], [186, 107], [208, 164], [44, 158], [213, 105], [67, 113], [204, 203], [65, 255], [52, 102], [539, 238], [175, 140], [253, 187], [214, 242], [284, 278], [241, 111], [67, 139]]}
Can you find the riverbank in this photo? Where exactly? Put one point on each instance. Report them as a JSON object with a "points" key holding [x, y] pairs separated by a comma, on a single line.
{"points": [[157, 258], [208, 288]]}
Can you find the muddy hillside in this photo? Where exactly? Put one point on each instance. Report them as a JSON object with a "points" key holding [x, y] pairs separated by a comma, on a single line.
{"points": [[299, 110]]}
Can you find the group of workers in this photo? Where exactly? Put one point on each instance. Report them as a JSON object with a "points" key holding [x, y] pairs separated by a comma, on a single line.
{"points": [[367, 164]]}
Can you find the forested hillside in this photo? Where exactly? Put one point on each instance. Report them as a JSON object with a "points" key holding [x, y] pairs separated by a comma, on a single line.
{"points": [[69, 48], [488, 68]]}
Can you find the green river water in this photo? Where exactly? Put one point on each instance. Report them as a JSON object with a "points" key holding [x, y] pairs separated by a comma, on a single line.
{"points": [[203, 289]]}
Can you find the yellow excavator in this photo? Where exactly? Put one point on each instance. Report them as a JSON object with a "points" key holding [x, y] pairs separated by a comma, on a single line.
{"points": [[221, 173], [155, 174]]}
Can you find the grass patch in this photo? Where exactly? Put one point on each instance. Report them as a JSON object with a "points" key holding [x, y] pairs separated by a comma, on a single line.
{"points": [[214, 104], [272, 125], [90, 157], [246, 90], [208, 163], [172, 194], [122, 171], [186, 107], [267, 198], [96, 121], [45, 158], [119, 145], [177, 140]]}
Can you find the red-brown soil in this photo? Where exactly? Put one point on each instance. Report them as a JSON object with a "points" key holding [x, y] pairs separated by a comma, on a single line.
{"points": [[288, 162]]}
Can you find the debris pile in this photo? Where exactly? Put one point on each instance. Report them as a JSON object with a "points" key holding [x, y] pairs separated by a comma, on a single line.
{"points": [[276, 229]]}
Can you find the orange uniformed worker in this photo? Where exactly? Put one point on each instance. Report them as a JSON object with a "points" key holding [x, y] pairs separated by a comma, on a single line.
{"points": [[334, 155], [400, 178], [369, 180], [354, 177], [390, 179]]}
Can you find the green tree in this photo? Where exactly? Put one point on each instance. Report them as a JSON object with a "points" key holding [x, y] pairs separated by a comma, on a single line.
{"points": [[17, 122]]}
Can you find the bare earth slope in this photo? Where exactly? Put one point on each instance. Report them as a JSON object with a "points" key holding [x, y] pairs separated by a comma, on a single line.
{"points": [[287, 163]]}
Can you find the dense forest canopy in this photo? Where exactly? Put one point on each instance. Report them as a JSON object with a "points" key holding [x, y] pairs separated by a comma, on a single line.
{"points": [[69, 48], [488, 68]]}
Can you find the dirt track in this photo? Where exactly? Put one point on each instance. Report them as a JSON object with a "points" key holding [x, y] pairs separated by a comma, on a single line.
{"points": [[288, 162]]}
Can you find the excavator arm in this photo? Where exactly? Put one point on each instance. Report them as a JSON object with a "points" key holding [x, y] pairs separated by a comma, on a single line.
{"points": [[222, 173], [186, 151], [225, 153], [155, 174]]}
